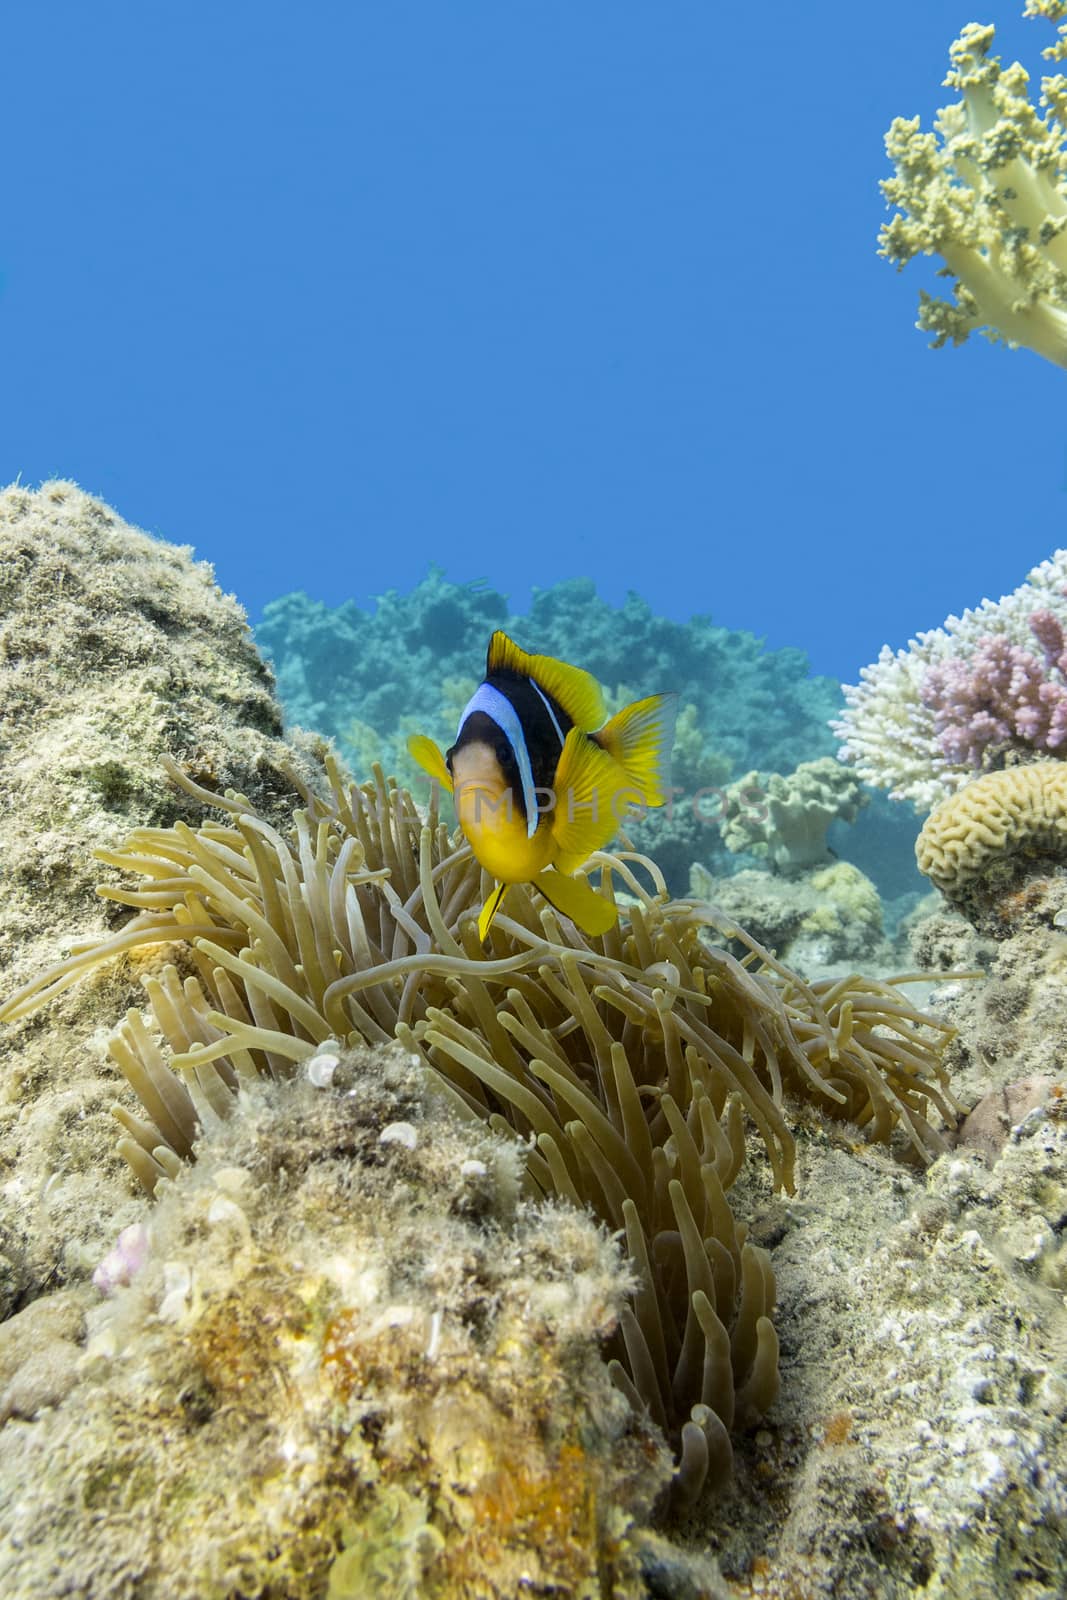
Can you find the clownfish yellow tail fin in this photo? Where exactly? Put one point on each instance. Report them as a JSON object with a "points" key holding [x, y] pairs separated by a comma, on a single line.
{"points": [[639, 737], [576, 691], [426, 754]]}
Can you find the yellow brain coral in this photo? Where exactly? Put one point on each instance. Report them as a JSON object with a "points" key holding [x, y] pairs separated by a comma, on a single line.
{"points": [[1018, 811]]}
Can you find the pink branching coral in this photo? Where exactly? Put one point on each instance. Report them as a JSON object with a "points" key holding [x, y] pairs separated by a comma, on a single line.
{"points": [[1002, 691], [922, 719]]}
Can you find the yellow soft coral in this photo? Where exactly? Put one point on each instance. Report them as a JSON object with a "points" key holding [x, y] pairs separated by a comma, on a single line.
{"points": [[987, 192]]}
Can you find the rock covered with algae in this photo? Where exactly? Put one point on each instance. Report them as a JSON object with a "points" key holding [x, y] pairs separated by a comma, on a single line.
{"points": [[820, 920], [354, 1361], [115, 649], [918, 1444]]}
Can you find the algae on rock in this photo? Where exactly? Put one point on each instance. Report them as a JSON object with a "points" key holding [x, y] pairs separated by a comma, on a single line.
{"points": [[822, 920], [349, 1359], [115, 650]]}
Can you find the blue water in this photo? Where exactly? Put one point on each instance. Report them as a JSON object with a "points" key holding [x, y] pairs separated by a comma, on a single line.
{"points": [[530, 291]]}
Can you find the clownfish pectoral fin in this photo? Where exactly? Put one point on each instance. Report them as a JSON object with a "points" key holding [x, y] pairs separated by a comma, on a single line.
{"points": [[575, 899], [576, 691], [588, 785], [429, 757], [490, 909], [639, 737]]}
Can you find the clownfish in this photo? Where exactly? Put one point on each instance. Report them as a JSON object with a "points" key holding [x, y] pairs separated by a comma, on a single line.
{"points": [[541, 780]]}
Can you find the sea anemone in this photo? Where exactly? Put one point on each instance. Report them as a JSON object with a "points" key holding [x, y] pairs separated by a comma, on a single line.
{"points": [[626, 1064]]}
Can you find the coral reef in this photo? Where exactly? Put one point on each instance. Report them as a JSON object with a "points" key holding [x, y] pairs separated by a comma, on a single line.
{"points": [[783, 819], [209, 1420], [278, 1404], [981, 845], [115, 648], [987, 192], [921, 720]]}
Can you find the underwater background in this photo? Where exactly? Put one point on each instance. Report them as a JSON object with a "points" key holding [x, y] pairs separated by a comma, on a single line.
{"points": [[715, 1248]]}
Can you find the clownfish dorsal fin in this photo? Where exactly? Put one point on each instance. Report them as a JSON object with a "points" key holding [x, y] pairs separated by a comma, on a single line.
{"points": [[640, 738], [590, 787], [576, 899], [426, 754], [576, 691]]}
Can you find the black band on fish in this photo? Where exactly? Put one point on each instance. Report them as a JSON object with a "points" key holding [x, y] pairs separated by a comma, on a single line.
{"points": [[533, 725]]}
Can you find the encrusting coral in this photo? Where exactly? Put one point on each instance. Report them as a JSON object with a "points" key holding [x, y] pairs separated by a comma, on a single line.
{"points": [[626, 1065]]}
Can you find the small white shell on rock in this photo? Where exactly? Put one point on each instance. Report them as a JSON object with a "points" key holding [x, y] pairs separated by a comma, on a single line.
{"points": [[399, 1133], [321, 1069], [473, 1169], [1027, 1239]]}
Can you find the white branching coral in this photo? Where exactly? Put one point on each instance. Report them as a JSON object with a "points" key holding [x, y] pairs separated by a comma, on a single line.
{"points": [[890, 729], [987, 192]]}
